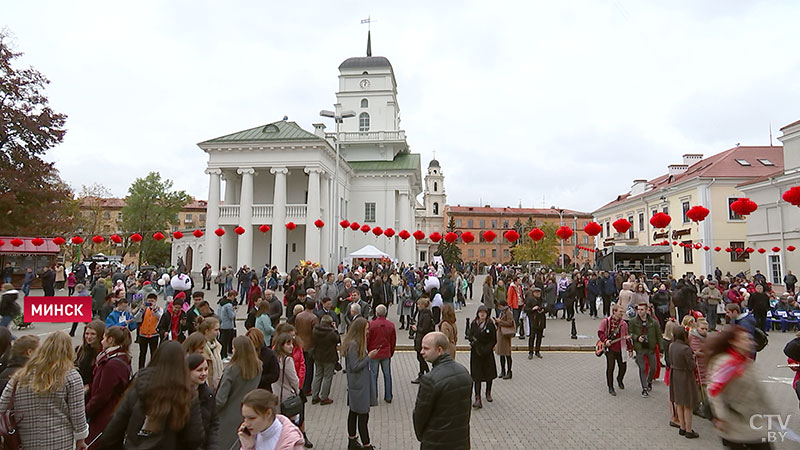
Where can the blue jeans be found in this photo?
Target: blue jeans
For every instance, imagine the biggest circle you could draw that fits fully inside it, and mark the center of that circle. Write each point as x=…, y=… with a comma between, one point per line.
x=5, y=321
x=26, y=289
x=386, y=368
x=6, y=279
x=711, y=315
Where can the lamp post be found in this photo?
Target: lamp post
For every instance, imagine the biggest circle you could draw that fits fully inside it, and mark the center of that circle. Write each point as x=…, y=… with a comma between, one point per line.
x=561, y=216
x=338, y=118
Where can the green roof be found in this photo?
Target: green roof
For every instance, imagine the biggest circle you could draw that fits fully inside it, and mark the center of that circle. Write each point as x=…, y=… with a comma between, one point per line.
x=403, y=161
x=276, y=131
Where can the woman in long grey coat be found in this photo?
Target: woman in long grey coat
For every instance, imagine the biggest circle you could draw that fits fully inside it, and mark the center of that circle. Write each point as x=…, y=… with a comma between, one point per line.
x=359, y=382
x=241, y=376
x=487, y=298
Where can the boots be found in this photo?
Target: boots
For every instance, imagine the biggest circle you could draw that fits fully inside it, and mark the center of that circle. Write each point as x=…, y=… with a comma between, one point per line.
x=502, y=372
x=507, y=375
x=489, y=396
x=477, y=403
x=353, y=444
x=306, y=442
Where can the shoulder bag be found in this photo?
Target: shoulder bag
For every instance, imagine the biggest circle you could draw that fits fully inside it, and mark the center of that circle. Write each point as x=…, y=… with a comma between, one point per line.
x=8, y=425
x=293, y=405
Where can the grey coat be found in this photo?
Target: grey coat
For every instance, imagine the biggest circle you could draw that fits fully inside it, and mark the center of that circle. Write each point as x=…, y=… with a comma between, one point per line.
x=488, y=296
x=231, y=391
x=358, y=380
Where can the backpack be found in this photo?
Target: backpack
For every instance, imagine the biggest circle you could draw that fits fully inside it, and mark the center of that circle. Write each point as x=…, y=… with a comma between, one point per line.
x=272, y=283
x=760, y=339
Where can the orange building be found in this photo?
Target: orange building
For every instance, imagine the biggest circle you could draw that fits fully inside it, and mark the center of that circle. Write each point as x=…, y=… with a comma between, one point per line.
x=478, y=219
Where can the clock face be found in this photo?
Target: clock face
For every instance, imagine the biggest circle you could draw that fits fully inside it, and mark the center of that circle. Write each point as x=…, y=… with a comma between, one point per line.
x=364, y=84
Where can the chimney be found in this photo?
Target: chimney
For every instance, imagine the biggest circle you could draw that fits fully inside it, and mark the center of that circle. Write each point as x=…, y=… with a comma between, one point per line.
x=691, y=158
x=677, y=169
x=319, y=130
x=639, y=187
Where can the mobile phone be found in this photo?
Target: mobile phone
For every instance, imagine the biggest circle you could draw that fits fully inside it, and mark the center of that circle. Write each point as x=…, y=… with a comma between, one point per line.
x=246, y=431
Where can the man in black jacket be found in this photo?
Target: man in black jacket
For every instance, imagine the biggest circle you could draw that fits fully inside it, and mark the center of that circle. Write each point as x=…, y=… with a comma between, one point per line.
x=442, y=409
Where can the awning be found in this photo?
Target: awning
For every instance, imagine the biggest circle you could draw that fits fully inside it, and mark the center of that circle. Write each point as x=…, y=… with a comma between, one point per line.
x=368, y=252
x=640, y=249
x=27, y=246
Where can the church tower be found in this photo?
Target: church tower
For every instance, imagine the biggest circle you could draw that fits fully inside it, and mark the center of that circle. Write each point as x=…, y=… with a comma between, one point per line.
x=434, y=196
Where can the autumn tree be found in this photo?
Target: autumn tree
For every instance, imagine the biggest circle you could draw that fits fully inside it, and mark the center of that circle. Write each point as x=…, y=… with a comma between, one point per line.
x=91, y=220
x=546, y=250
x=151, y=206
x=450, y=253
x=33, y=198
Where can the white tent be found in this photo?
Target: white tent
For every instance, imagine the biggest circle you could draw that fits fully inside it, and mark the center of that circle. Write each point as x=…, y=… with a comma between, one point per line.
x=369, y=252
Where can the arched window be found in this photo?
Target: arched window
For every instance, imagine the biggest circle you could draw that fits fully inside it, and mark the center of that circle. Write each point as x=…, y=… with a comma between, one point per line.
x=436, y=207
x=363, y=122
x=364, y=103
x=435, y=186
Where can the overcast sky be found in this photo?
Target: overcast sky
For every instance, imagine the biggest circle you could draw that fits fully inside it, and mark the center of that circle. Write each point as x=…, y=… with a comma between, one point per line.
x=554, y=103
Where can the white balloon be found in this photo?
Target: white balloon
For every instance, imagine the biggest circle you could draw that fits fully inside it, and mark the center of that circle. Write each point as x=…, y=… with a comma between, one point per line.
x=161, y=282
x=165, y=277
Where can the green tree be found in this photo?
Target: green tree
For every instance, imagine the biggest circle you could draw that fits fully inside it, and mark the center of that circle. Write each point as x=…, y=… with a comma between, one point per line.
x=33, y=198
x=546, y=251
x=450, y=253
x=151, y=206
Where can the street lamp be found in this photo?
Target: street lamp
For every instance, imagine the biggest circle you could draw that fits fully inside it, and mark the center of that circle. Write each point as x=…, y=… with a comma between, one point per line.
x=561, y=216
x=338, y=118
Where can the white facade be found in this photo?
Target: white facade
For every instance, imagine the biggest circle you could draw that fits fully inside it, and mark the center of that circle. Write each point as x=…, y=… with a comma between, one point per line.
x=430, y=215
x=279, y=173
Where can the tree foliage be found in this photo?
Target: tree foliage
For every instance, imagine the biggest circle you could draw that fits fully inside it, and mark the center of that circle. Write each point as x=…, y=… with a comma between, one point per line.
x=151, y=205
x=91, y=221
x=450, y=253
x=33, y=198
x=546, y=251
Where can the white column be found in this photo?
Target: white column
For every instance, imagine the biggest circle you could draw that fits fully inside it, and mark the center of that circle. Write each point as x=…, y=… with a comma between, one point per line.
x=407, y=248
x=245, y=247
x=228, y=241
x=330, y=225
x=212, y=219
x=279, y=218
x=312, y=214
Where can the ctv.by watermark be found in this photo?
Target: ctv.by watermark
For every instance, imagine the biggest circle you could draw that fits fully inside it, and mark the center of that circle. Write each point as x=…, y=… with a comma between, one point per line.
x=776, y=426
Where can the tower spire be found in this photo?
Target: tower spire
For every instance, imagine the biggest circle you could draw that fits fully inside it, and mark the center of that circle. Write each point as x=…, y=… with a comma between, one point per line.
x=369, y=43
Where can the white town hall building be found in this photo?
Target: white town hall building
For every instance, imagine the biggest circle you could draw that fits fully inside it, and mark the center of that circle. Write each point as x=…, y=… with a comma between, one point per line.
x=279, y=173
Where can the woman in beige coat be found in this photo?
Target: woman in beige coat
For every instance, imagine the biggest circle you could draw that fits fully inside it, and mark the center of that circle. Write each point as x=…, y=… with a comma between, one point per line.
x=505, y=319
x=448, y=327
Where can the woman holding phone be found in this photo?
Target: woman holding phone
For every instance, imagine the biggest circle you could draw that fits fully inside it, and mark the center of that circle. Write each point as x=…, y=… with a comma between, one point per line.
x=264, y=428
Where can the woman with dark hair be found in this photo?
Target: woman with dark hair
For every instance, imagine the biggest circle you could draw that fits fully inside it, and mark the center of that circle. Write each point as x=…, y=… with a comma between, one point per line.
x=87, y=352
x=423, y=326
x=483, y=337
x=505, y=319
x=253, y=294
x=356, y=358
x=682, y=384
x=160, y=410
x=240, y=376
x=110, y=379
x=198, y=375
x=264, y=428
x=288, y=384
x=734, y=389
x=269, y=362
x=300, y=369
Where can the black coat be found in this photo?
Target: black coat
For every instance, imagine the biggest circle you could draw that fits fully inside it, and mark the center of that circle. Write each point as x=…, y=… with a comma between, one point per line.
x=758, y=302
x=10, y=368
x=442, y=411
x=481, y=362
x=129, y=418
x=537, y=319
x=325, y=340
x=164, y=326
x=208, y=411
x=270, y=370
x=424, y=326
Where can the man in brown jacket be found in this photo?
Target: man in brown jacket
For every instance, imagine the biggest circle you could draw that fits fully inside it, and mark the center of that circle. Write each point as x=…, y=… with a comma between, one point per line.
x=304, y=324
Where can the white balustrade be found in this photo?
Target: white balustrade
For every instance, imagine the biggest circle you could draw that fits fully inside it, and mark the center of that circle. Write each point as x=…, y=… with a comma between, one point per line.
x=262, y=212
x=296, y=211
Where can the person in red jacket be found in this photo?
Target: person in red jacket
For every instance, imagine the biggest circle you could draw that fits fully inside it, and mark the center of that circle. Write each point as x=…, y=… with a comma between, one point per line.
x=110, y=378
x=381, y=336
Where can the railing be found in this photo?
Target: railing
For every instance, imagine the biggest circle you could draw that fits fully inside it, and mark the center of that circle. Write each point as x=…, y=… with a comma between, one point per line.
x=228, y=211
x=296, y=211
x=262, y=211
x=365, y=136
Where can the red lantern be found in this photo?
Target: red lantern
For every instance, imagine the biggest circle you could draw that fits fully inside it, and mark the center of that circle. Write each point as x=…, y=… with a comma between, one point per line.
x=159, y=236
x=377, y=231
x=435, y=236
x=136, y=237
x=2, y=242
x=792, y=195
x=728, y=249
x=404, y=234
x=239, y=230
x=177, y=235
x=697, y=213
x=536, y=234
x=698, y=246
x=674, y=242
x=37, y=241
x=319, y=223
x=660, y=220
x=344, y=223
x=115, y=238
x=776, y=249
x=263, y=228
x=291, y=226
x=706, y=248
x=739, y=250
x=419, y=235
x=389, y=232
x=467, y=237
x=98, y=239
x=750, y=250
x=682, y=244
x=355, y=226
x=621, y=225
x=450, y=237
x=762, y=250
x=791, y=248
x=490, y=235
x=16, y=242
x=365, y=228
x=564, y=233
x=716, y=249
x=511, y=235
x=744, y=206
x=58, y=240
x=592, y=228
x=199, y=233
x=219, y=232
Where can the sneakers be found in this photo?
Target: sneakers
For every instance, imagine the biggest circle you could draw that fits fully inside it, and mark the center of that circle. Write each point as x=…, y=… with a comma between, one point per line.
x=645, y=394
x=325, y=401
x=650, y=386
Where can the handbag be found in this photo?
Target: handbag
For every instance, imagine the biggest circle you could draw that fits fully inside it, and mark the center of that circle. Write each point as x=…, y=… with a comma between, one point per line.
x=8, y=425
x=720, y=308
x=293, y=405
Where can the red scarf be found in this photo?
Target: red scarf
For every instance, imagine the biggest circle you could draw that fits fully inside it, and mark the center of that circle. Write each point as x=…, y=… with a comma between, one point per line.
x=175, y=325
x=731, y=369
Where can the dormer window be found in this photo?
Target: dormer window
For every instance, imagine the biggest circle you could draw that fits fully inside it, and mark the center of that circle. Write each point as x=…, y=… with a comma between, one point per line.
x=363, y=122
x=364, y=103
x=743, y=162
x=766, y=162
